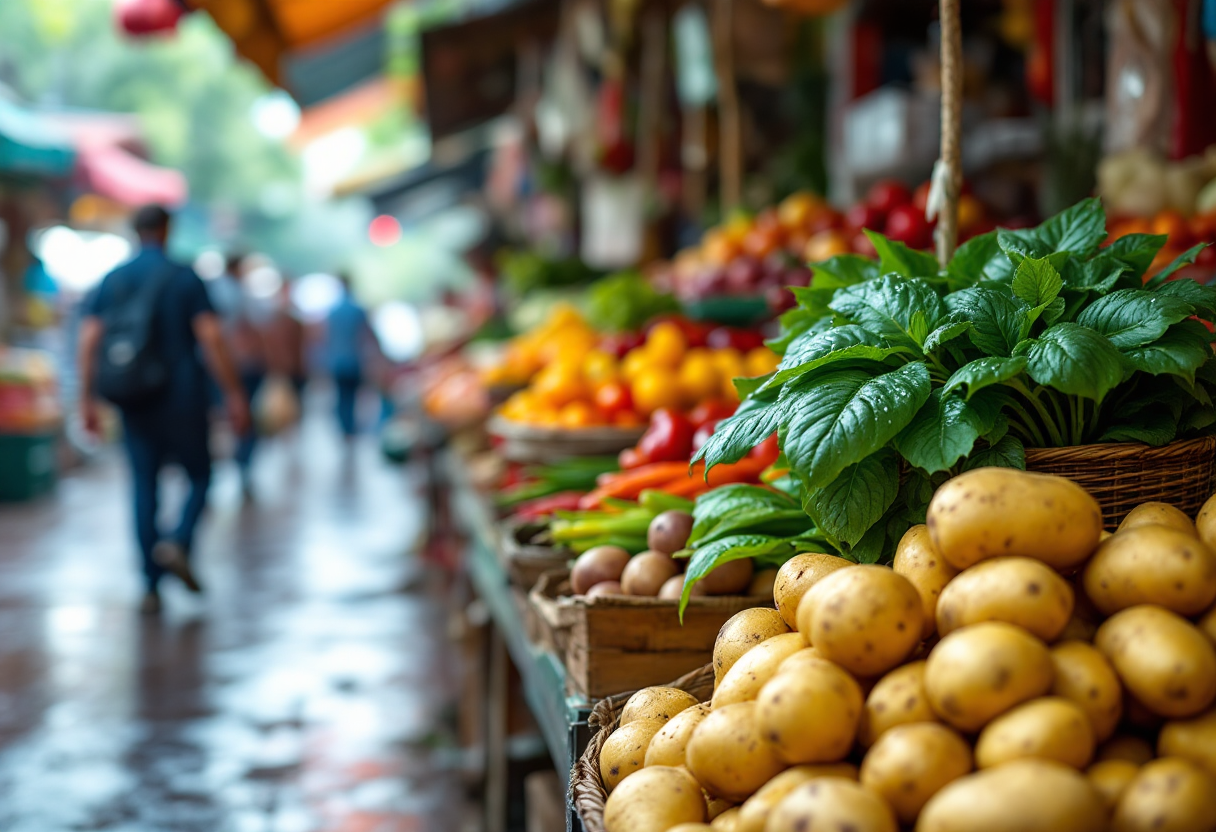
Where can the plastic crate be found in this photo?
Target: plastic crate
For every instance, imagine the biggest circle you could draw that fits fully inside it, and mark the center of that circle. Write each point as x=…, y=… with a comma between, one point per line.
x=27, y=466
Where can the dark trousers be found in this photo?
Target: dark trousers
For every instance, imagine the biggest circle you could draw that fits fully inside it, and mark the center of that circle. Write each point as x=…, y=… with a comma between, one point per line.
x=251, y=380
x=348, y=398
x=151, y=446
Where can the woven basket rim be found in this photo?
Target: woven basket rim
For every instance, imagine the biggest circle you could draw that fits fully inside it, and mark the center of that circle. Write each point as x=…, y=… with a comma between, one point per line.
x=587, y=793
x=1121, y=450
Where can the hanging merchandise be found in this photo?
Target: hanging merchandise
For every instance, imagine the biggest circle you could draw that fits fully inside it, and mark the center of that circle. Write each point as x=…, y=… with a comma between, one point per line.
x=1193, y=126
x=1138, y=75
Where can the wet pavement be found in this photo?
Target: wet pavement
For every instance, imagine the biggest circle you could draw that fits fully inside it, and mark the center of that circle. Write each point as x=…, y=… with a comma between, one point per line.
x=311, y=689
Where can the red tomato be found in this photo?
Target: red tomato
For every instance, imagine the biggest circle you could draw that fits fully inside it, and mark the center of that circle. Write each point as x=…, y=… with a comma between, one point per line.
x=862, y=216
x=727, y=337
x=888, y=194
x=1206, y=258
x=620, y=343
x=824, y=220
x=908, y=225
x=613, y=398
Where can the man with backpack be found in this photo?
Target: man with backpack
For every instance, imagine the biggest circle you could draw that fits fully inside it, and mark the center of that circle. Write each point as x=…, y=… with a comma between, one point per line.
x=139, y=348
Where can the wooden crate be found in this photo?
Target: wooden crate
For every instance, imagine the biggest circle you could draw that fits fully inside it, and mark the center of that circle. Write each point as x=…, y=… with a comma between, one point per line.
x=620, y=643
x=525, y=563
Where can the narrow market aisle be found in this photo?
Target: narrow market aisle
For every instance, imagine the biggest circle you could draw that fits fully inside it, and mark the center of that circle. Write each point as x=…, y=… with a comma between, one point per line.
x=309, y=690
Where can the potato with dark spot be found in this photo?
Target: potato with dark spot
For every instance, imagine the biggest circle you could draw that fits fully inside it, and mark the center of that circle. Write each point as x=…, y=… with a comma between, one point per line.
x=658, y=702
x=1191, y=739
x=1124, y=747
x=1158, y=514
x=597, y=565
x=742, y=682
x=654, y=800
x=898, y=698
x=754, y=812
x=1205, y=522
x=667, y=747
x=977, y=673
x=1168, y=795
x=865, y=618
x=1049, y=728
x=1152, y=565
x=624, y=751
x=993, y=512
x=1021, y=591
x=668, y=532
x=831, y=804
x=1022, y=796
x=646, y=573
x=810, y=713
x=1161, y=658
x=729, y=755
x=741, y=632
x=1084, y=676
x=928, y=571
x=795, y=578
x=1111, y=778
x=911, y=763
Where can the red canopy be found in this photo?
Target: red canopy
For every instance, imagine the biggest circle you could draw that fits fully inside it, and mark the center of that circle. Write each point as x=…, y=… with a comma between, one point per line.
x=113, y=172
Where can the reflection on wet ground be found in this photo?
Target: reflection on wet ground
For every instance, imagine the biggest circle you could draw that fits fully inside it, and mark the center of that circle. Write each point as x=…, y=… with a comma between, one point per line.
x=310, y=689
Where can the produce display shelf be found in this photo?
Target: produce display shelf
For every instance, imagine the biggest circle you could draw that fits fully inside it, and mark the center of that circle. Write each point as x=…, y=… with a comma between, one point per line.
x=562, y=718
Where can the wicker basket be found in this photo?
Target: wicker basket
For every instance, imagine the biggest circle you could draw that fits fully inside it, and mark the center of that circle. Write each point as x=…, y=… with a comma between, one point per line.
x=1122, y=476
x=529, y=443
x=587, y=792
x=526, y=562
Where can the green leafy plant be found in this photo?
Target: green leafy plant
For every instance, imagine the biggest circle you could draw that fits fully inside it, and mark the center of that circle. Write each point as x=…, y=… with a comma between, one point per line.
x=898, y=374
x=625, y=301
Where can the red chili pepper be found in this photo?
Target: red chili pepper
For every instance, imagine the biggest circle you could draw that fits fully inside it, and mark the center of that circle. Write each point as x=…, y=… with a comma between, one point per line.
x=668, y=439
x=711, y=412
x=544, y=506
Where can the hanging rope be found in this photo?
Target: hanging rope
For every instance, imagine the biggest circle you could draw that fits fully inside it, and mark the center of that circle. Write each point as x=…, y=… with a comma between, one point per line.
x=949, y=175
x=730, y=121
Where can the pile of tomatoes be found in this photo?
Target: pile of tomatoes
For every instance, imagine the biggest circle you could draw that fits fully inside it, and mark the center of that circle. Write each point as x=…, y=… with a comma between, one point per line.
x=1183, y=232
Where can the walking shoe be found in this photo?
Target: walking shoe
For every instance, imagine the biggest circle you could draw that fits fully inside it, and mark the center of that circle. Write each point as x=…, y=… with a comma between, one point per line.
x=170, y=555
x=151, y=604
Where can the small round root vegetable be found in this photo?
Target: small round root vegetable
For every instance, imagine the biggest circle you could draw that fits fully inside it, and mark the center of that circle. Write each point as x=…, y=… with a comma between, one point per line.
x=911, y=763
x=594, y=566
x=658, y=702
x=1048, y=728
x=728, y=755
x=604, y=588
x=1167, y=794
x=829, y=804
x=796, y=577
x=624, y=752
x=1021, y=591
x=669, y=531
x=1158, y=514
x=654, y=799
x=741, y=632
x=646, y=573
x=1015, y=797
x=731, y=578
x=929, y=572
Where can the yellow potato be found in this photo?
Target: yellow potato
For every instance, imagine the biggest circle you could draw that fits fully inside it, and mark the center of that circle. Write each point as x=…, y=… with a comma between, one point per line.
x=727, y=821
x=1085, y=676
x=1161, y=658
x=754, y=812
x=716, y=806
x=654, y=800
x=741, y=632
x=810, y=713
x=1111, y=779
x=666, y=747
x=1152, y=565
x=979, y=672
x=898, y=698
x=1020, y=591
x=1207, y=623
x=728, y=754
x=659, y=703
x=867, y=619
x=624, y=752
x=919, y=562
x=1205, y=522
x=1132, y=749
x=1049, y=728
x=1191, y=739
x=755, y=667
x=831, y=804
x=1085, y=620
x=691, y=827
x=1158, y=514
x=911, y=763
x=796, y=576
x=1022, y=796
x=803, y=657
x=1168, y=795
x=989, y=512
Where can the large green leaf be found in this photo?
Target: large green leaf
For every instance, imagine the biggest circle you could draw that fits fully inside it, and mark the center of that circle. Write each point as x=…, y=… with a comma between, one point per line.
x=796, y=322
x=1137, y=250
x=848, y=506
x=888, y=305
x=947, y=331
x=1202, y=298
x=1079, y=229
x=996, y=318
x=815, y=349
x=1075, y=360
x=1185, y=259
x=1181, y=351
x=1036, y=282
x=1006, y=453
x=896, y=258
x=984, y=372
x=942, y=432
x=753, y=422
x=1134, y=317
x=1100, y=273
x=713, y=507
x=843, y=270
x=980, y=258
x=844, y=416
x=724, y=550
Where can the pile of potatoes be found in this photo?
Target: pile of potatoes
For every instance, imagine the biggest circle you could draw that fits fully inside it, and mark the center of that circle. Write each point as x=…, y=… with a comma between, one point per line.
x=1017, y=669
x=654, y=573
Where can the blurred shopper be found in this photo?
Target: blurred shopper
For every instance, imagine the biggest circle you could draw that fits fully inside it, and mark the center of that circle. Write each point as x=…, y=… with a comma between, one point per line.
x=285, y=343
x=244, y=336
x=139, y=347
x=349, y=340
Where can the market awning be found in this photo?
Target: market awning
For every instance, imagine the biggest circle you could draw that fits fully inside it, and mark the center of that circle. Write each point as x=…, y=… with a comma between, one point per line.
x=31, y=145
x=312, y=48
x=113, y=172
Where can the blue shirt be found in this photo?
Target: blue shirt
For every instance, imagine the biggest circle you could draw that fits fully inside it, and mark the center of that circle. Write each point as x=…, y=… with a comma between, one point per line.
x=183, y=299
x=346, y=331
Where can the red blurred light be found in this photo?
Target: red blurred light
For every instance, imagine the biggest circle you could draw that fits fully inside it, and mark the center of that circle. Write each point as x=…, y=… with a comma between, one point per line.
x=384, y=231
x=147, y=17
